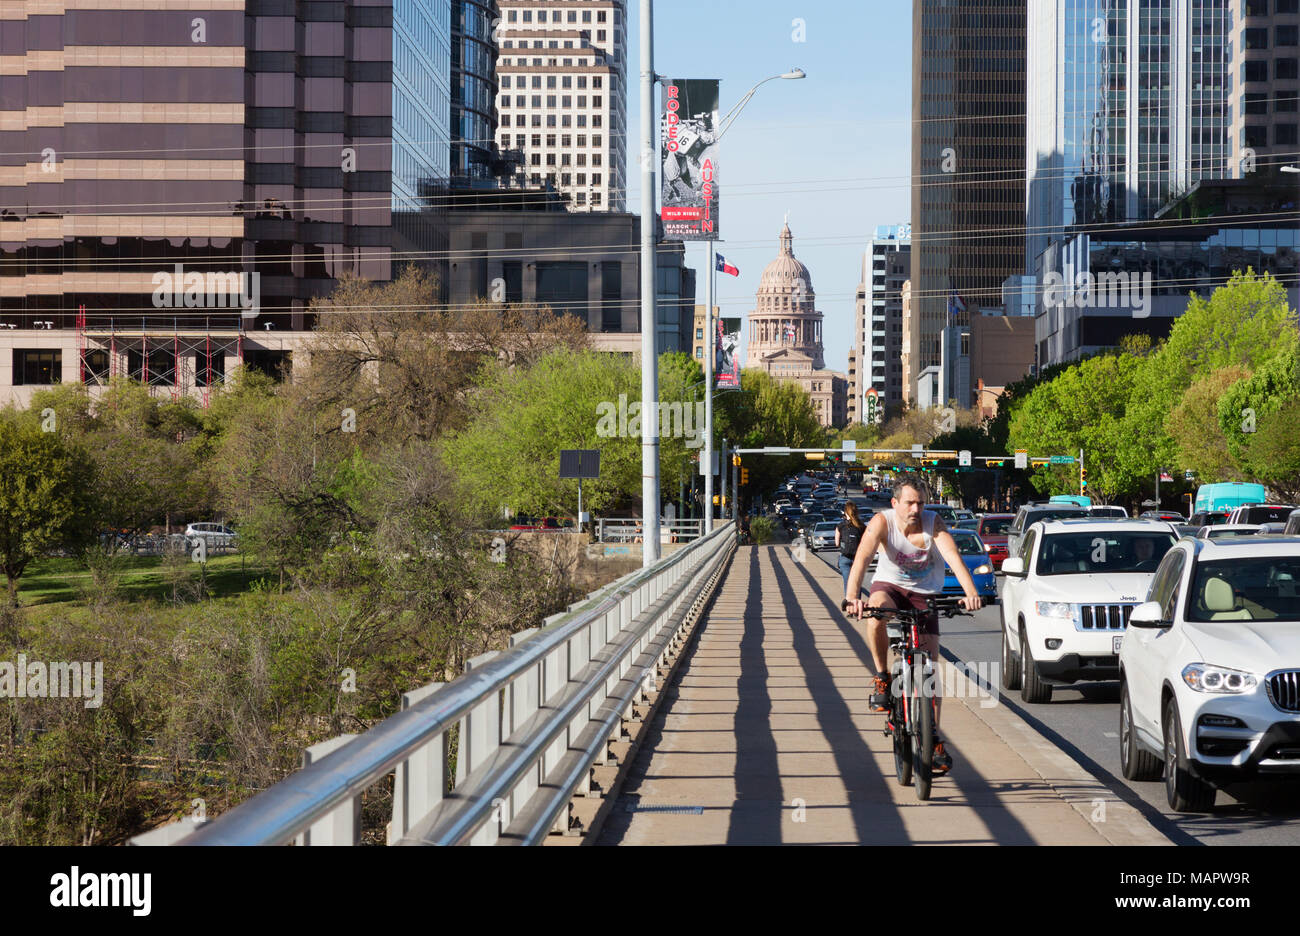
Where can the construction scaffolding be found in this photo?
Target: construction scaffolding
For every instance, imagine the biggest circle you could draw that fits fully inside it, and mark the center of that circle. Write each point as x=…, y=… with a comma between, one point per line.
x=154, y=352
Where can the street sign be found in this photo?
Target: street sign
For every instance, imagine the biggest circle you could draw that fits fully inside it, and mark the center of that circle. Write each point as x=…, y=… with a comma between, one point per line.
x=1150, y=503
x=918, y=451
x=775, y=450
x=850, y=450
x=712, y=464
x=1061, y=460
x=1022, y=458
x=963, y=457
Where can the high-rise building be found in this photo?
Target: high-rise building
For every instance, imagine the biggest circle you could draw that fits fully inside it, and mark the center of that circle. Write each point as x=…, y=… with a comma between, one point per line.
x=562, y=67
x=473, y=88
x=266, y=147
x=878, y=321
x=1264, y=85
x=968, y=173
x=1125, y=109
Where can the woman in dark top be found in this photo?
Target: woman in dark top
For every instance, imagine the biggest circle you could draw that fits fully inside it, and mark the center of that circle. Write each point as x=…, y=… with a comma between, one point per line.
x=847, y=537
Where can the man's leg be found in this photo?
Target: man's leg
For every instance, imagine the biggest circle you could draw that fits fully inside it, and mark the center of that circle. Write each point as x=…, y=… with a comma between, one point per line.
x=877, y=639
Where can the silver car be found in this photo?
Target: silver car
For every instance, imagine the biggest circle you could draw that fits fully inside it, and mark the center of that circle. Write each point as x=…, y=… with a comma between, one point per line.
x=823, y=535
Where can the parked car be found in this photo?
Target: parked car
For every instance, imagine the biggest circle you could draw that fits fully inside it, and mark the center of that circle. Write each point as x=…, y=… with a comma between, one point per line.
x=214, y=534
x=1210, y=670
x=949, y=514
x=1208, y=518
x=964, y=514
x=976, y=556
x=1067, y=598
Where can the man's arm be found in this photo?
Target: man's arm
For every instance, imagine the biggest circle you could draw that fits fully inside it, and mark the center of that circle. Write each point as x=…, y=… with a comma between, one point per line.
x=875, y=533
x=952, y=555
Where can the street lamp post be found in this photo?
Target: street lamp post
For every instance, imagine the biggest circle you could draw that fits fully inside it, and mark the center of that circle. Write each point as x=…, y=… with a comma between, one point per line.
x=649, y=320
x=710, y=344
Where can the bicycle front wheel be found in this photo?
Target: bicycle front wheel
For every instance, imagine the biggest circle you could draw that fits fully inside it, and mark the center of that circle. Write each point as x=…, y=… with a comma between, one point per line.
x=902, y=740
x=922, y=706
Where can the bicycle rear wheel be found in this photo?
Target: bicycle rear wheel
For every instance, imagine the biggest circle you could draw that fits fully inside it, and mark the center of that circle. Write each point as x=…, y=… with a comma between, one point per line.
x=922, y=706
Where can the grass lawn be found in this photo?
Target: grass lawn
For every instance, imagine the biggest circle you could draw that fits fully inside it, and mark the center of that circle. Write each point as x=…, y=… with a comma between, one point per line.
x=55, y=580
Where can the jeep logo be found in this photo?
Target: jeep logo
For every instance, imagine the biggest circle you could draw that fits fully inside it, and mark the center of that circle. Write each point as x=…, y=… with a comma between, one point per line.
x=1128, y=597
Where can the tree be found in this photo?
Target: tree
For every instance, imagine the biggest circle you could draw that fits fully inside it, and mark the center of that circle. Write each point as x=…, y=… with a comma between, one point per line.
x=1199, y=441
x=44, y=495
x=404, y=365
x=509, y=453
x=1246, y=323
x=769, y=412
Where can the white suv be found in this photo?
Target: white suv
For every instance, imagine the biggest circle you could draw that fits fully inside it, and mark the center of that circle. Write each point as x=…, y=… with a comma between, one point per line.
x=1210, y=669
x=214, y=534
x=1067, y=597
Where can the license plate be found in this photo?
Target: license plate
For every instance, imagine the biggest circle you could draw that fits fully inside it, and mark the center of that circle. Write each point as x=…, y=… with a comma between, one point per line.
x=1117, y=641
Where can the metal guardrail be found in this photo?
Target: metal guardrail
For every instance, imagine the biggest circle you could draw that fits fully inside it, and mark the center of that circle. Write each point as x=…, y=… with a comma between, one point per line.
x=629, y=530
x=533, y=721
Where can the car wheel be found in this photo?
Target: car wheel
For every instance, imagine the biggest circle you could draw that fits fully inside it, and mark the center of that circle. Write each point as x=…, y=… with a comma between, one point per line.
x=1032, y=689
x=1010, y=663
x=1185, y=792
x=1135, y=762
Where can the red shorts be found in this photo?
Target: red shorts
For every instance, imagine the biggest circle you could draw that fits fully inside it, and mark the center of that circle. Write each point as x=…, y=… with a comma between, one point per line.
x=903, y=598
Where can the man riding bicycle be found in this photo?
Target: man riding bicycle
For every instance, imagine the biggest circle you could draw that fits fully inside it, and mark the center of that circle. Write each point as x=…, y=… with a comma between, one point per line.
x=913, y=544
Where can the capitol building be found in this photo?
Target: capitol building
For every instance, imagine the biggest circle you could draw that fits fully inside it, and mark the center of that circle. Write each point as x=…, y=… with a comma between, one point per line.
x=785, y=335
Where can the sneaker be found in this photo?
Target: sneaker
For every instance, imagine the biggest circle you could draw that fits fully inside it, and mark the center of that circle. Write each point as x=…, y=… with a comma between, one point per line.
x=880, y=695
x=942, y=759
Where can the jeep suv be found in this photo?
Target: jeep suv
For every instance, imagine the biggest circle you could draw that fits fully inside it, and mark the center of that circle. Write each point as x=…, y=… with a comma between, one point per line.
x=1067, y=599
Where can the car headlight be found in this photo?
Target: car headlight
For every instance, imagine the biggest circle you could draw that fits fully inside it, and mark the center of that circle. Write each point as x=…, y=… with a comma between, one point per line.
x=1055, y=609
x=984, y=569
x=1205, y=677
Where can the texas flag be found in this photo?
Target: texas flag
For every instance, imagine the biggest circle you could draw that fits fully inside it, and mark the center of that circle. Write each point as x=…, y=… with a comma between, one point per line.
x=725, y=267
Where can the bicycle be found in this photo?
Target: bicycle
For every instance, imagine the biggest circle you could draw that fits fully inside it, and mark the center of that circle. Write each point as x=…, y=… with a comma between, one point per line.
x=913, y=701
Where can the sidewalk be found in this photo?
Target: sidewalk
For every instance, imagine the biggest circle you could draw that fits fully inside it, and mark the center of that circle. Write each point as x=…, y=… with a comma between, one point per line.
x=768, y=741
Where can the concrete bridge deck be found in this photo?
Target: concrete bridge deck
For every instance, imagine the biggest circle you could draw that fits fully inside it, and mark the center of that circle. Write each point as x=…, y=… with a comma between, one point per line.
x=765, y=738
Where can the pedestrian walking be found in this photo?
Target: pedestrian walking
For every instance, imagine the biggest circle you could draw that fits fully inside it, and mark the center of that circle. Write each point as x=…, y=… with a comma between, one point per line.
x=847, y=537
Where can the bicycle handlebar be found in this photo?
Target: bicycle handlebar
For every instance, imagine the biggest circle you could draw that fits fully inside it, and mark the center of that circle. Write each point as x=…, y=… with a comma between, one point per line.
x=947, y=610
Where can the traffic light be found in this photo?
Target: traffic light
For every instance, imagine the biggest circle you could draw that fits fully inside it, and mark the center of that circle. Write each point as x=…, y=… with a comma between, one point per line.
x=744, y=475
x=735, y=460
x=1083, y=481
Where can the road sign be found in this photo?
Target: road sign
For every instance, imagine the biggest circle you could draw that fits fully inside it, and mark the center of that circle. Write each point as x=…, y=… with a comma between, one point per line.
x=1150, y=503
x=1022, y=458
x=850, y=450
x=963, y=457
x=918, y=451
x=1061, y=460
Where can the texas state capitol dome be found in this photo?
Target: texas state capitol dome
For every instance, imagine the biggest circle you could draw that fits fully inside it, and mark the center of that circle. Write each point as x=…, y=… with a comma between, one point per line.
x=785, y=334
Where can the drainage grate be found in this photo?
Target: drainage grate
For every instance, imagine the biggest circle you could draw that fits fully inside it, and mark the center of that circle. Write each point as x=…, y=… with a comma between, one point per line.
x=673, y=810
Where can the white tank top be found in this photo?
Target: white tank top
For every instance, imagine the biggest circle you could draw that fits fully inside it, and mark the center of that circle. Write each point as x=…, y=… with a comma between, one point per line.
x=901, y=563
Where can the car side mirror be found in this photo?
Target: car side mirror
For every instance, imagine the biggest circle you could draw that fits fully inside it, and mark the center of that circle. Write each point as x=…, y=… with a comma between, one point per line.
x=1148, y=614
x=1014, y=566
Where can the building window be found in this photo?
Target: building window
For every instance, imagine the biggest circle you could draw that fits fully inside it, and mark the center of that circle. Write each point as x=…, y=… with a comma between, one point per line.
x=550, y=100
x=39, y=366
x=1255, y=71
x=1285, y=68
x=1285, y=134
x=550, y=139
x=550, y=159
x=1287, y=35
x=699, y=334
x=582, y=178
x=1257, y=38
x=505, y=81
x=597, y=81
x=520, y=140
x=596, y=120
x=582, y=198
x=582, y=82
x=597, y=101
x=550, y=82
x=566, y=82
x=582, y=159
x=537, y=139
x=1256, y=103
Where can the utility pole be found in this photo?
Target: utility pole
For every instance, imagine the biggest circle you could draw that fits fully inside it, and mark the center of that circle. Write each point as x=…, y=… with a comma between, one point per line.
x=649, y=320
x=709, y=349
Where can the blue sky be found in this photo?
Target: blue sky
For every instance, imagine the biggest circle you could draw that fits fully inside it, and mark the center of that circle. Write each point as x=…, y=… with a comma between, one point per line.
x=833, y=149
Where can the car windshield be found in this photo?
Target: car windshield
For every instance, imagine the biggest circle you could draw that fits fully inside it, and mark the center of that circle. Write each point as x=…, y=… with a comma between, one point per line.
x=1083, y=553
x=826, y=527
x=967, y=543
x=1248, y=588
x=1062, y=514
x=997, y=527
x=1108, y=512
